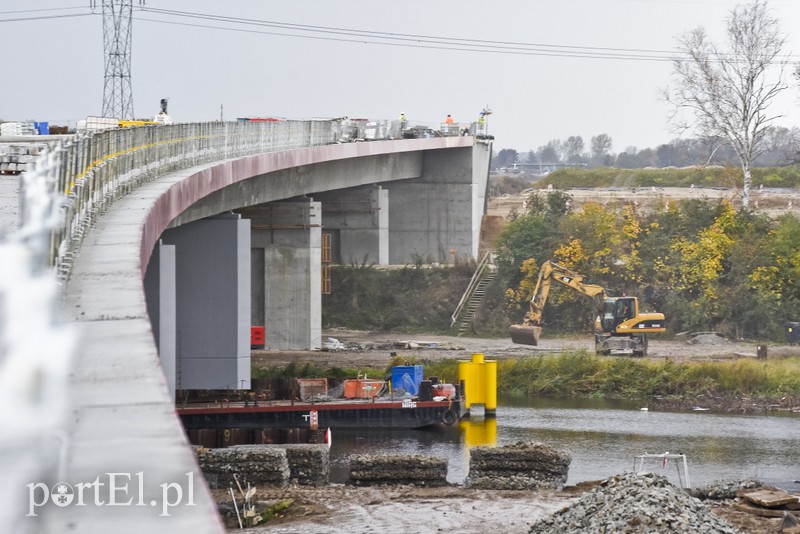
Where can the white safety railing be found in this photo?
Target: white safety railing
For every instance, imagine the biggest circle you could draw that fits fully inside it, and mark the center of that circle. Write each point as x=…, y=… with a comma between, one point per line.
x=72, y=182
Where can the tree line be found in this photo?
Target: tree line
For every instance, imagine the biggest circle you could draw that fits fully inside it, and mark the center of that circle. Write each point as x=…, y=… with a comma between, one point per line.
x=781, y=147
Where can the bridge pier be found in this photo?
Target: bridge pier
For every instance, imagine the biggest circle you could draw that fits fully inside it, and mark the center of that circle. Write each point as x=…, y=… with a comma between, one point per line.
x=437, y=217
x=212, y=286
x=287, y=277
x=357, y=219
x=159, y=290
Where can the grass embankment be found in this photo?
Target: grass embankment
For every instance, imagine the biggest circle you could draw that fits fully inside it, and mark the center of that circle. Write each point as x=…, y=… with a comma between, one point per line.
x=582, y=374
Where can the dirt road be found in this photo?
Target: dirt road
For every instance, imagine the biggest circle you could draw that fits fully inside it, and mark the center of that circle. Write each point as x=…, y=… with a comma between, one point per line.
x=376, y=349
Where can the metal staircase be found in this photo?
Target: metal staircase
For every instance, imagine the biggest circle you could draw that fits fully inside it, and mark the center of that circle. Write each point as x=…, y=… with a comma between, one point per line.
x=473, y=296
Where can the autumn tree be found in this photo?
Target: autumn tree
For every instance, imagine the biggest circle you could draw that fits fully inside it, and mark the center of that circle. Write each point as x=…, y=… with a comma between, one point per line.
x=728, y=90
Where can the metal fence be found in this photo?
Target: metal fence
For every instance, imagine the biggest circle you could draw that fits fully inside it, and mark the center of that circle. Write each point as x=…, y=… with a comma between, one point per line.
x=70, y=184
x=94, y=171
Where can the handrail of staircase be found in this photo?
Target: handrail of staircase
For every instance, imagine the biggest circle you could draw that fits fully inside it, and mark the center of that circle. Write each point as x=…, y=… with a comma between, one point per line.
x=473, y=283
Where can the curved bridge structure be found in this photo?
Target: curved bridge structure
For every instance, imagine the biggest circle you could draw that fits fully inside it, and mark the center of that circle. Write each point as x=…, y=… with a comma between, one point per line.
x=172, y=243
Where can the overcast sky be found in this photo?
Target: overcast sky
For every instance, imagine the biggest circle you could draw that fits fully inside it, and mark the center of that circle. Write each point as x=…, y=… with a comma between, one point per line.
x=53, y=68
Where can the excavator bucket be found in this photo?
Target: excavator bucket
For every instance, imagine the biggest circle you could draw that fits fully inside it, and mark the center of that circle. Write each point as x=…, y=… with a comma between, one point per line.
x=525, y=335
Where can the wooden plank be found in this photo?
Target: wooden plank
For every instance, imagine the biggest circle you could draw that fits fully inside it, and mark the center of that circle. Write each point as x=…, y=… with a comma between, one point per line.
x=761, y=512
x=770, y=497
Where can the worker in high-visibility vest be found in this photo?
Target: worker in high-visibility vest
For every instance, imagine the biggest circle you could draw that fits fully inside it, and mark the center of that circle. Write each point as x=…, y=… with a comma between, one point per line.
x=448, y=120
x=481, y=122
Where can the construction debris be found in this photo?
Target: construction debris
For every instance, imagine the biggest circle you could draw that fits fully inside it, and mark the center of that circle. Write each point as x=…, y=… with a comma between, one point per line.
x=17, y=158
x=723, y=489
x=635, y=503
x=769, y=502
x=771, y=498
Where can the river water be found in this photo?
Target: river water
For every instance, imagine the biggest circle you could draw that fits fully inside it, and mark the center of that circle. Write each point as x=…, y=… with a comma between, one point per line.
x=603, y=438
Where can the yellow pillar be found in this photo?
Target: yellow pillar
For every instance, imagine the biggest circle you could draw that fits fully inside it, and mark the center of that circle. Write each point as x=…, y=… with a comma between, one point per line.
x=490, y=385
x=480, y=381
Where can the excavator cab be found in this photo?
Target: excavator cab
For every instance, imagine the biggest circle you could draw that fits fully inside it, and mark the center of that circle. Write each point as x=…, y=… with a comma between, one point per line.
x=616, y=311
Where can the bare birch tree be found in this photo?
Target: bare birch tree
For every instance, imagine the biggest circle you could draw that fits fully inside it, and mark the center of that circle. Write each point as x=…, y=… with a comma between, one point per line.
x=728, y=90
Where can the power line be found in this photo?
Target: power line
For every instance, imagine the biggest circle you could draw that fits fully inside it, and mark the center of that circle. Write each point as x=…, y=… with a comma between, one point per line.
x=393, y=36
x=370, y=37
x=64, y=16
x=530, y=52
x=41, y=9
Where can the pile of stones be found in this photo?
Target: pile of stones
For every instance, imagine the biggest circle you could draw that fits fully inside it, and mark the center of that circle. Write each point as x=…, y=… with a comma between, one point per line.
x=257, y=464
x=723, y=489
x=306, y=464
x=309, y=463
x=412, y=469
x=520, y=466
x=635, y=503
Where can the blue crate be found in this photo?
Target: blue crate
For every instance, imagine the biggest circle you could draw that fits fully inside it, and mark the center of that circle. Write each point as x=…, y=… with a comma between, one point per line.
x=408, y=377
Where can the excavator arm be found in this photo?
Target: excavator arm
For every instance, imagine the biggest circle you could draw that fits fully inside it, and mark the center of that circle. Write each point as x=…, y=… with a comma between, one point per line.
x=529, y=331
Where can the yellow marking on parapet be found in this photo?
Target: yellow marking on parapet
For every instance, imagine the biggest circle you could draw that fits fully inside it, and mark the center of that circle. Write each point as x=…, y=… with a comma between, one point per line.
x=107, y=157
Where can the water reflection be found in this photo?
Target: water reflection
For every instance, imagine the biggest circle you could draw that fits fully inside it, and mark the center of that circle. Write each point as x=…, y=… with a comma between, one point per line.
x=602, y=438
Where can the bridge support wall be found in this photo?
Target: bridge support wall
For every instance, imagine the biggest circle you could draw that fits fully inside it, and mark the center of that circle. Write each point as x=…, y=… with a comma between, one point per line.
x=212, y=270
x=286, y=238
x=358, y=221
x=432, y=217
x=159, y=288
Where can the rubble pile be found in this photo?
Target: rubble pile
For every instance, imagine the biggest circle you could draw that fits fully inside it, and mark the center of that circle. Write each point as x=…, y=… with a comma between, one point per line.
x=257, y=464
x=723, y=489
x=413, y=469
x=523, y=465
x=635, y=503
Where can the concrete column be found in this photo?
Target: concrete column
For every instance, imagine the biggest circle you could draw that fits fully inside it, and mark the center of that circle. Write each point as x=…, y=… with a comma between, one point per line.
x=435, y=218
x=289, y=234
x=213, y=302
x=358, y=220
x=159, y=289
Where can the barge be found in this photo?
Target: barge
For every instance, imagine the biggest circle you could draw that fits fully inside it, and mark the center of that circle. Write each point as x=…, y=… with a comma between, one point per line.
x=378, y=413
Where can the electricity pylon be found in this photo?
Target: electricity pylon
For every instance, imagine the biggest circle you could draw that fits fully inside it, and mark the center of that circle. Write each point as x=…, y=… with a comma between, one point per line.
x=117, y=93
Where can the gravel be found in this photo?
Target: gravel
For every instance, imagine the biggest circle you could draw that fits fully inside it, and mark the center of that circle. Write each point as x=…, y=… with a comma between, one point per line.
x=635, y=503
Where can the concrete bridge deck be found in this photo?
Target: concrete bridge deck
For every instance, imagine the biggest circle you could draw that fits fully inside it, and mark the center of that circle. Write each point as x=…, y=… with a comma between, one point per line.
x=123, y=413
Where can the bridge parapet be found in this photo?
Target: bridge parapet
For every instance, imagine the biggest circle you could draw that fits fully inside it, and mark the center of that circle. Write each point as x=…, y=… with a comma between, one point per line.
x=61, y=198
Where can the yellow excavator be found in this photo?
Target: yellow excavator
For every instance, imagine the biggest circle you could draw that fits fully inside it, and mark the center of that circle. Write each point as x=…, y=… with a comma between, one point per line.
x=619, y=324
